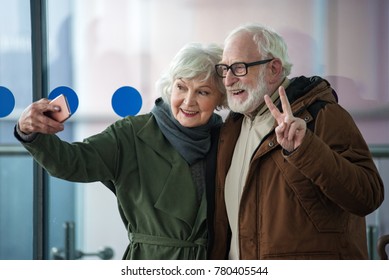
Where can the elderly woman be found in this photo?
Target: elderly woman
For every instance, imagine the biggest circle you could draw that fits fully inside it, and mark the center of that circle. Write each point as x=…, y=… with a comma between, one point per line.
x=160, y=165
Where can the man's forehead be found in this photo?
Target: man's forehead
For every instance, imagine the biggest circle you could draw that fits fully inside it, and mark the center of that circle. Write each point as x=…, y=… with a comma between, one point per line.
x=240, y=48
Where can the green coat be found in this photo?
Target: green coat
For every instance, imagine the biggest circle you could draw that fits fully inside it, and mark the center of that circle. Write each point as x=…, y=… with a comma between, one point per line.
x=156, y=195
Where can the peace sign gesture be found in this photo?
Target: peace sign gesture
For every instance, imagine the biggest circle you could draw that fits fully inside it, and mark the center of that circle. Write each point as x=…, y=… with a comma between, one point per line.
x=290, y=130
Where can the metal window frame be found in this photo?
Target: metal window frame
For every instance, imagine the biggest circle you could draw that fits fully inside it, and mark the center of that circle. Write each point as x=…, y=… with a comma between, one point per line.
x=40, y=90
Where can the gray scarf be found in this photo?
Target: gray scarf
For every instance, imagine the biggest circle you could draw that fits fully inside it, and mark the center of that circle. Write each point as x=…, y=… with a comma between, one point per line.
x=192, y=143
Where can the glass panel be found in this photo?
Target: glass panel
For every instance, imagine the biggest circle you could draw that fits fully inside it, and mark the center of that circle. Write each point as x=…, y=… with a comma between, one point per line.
x=377, y=223
x=62, y=194
x=15, y=60
x=16, y=168
x=16, y=213
x=76, y=202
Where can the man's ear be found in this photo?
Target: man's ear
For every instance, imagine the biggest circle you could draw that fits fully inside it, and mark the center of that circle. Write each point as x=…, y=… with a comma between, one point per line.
x=275, y=70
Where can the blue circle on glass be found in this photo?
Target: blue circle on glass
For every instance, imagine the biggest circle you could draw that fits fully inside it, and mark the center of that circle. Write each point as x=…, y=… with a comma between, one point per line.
x=7, y=102
x=70, y=95
x=126, y=101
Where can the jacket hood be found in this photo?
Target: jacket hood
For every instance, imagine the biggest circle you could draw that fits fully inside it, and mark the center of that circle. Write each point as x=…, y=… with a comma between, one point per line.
x=312, y=89
x=302, y=85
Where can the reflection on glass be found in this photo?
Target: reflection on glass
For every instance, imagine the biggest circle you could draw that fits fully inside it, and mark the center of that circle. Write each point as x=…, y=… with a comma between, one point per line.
x=16, y=168
x=16, y=203
x=15, y=59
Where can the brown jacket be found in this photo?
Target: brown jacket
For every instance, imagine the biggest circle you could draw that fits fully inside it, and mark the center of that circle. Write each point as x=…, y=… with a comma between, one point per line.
x=310, y=204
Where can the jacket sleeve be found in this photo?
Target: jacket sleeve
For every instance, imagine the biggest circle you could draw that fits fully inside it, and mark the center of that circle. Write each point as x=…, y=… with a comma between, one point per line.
x=94, y=159
x=337, y=160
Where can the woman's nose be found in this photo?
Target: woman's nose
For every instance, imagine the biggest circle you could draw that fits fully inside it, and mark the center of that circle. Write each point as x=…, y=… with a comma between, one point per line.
x=189, y=98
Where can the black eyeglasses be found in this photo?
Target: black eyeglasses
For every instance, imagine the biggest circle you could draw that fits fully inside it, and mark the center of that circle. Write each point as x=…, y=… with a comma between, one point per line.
x=239, y=69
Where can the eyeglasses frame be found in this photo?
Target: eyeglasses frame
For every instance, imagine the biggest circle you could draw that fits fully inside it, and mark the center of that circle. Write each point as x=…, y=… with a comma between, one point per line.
x=247, y=65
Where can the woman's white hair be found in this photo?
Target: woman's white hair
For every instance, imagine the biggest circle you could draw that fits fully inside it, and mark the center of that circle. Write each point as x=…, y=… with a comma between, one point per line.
x=194, y=60
x=270, y=43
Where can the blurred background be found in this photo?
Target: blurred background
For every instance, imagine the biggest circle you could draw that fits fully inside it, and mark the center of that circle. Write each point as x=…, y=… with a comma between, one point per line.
x=98, y=46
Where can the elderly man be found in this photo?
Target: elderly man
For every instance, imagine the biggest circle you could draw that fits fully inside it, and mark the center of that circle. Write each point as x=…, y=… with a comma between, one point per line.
x=295, y=178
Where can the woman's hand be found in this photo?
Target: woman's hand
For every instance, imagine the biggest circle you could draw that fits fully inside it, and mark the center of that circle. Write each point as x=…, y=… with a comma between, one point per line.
x=33, y=118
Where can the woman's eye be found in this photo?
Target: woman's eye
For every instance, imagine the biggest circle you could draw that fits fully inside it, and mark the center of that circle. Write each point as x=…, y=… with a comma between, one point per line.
x=202, y=92
x=180, y=87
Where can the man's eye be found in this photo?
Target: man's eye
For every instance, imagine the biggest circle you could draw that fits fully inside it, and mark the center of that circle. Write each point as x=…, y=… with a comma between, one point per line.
x=239, y=67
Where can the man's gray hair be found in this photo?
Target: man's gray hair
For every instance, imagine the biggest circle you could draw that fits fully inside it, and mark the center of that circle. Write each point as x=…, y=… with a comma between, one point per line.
x=270, y=43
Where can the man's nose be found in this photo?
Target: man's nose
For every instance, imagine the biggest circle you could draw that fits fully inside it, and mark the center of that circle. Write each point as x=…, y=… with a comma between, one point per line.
x=230, y=78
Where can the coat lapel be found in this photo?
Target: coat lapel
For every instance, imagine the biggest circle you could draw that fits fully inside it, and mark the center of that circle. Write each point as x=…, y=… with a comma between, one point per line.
x=178, y=197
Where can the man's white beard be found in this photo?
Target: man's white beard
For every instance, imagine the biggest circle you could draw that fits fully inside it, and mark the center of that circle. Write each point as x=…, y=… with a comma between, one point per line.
x=255, y=96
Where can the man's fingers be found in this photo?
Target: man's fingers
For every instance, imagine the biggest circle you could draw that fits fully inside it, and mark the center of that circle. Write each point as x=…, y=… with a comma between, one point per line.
x=285, y=102
x=293, y=131
x=272, y=108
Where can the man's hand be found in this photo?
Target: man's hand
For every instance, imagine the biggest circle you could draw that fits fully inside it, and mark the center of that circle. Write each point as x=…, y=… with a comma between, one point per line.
x=290, y=130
